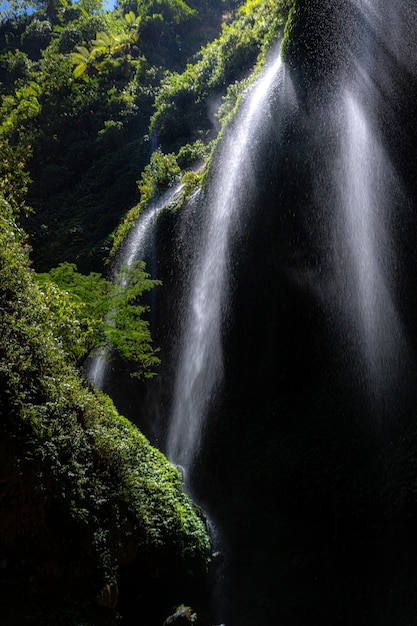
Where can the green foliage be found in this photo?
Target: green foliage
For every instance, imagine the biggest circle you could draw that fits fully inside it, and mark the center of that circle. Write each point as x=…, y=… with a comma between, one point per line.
x=91, y=312
x=23, y=105
x=77, y=331
x=79, y=32
x=96, y=492
x=90, y=6
x=160, y=174
x=36, y=38
x=69, y=66
x=162, y=171
x=191, y=154
x=119, y=48
x=72, y=66
x=14, y=66
x=191, y=181
x=13, y=9
x=232, y=98
x=14, y=179
x=184, y=99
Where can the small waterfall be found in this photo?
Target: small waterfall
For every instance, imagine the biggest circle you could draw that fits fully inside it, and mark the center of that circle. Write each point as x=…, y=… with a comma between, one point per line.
x=96, y=369
x=137, y=246
x=201, y=360
x=139, y=242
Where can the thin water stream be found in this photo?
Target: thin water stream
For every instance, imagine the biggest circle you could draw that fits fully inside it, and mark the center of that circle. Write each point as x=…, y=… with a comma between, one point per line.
x=137, y=246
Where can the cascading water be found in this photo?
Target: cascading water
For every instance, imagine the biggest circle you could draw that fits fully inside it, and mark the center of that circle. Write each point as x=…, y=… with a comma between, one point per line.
x=136, y=247
x=367, y=183
x=302, y=253
x=369, y=193
x=96, y=369
x=201, y=361
x=300, y=489
x=139, y=242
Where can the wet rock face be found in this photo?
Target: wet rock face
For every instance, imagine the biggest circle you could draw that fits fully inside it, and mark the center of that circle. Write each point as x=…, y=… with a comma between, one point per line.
x=319, y=39
x=301, y=466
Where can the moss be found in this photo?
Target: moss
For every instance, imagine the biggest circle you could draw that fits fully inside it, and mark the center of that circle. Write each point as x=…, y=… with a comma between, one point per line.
x=162, y=173
x=289, y=25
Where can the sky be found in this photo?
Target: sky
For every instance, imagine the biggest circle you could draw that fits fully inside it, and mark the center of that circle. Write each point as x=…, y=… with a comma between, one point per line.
x=108, y=4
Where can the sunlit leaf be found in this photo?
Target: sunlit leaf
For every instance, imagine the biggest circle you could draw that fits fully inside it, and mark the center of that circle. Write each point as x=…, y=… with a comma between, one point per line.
x=79, y=69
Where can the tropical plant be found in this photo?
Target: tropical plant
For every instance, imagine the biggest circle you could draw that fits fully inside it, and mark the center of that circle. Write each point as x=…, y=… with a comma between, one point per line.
x=108, y=46
x=92, y=312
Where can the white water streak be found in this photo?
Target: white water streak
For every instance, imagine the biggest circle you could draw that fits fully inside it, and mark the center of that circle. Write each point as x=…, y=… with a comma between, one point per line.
x=201, y=360
x=365, y=191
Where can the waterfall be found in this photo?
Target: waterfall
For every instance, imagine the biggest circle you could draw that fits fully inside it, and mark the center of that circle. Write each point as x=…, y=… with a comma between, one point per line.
x=96, y=369
x=200, y=365
x=369, y=192
x=298, y=257
x=137, y=246
x=295, y=481
x=304, y=470
x=367, y=184
x=139, y=241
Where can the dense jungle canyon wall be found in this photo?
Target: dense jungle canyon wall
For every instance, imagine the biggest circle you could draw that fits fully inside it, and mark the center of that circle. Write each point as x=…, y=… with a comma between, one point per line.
x=91, y=515
x=89, y=135
x=94, y=522
x=307, y=465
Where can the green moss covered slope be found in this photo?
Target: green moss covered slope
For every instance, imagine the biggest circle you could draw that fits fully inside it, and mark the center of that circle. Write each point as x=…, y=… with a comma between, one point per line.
x=82, y=493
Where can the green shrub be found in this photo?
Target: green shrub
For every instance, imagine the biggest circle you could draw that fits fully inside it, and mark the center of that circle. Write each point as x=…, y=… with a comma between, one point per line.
x=98, y=493
x=182, y=103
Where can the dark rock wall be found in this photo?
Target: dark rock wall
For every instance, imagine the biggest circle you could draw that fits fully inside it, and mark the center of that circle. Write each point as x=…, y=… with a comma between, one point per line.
x=303, y=468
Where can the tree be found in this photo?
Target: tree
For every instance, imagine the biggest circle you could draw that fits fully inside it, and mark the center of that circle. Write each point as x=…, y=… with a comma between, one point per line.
x=12, y=9
x=92, y=313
